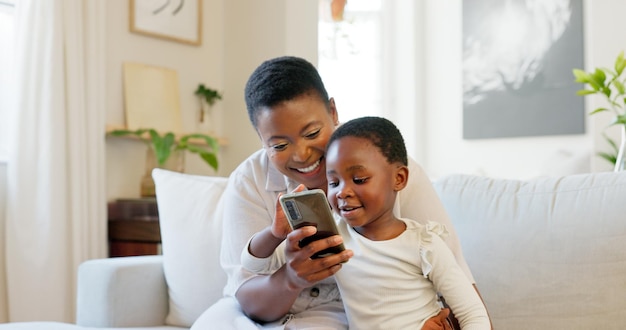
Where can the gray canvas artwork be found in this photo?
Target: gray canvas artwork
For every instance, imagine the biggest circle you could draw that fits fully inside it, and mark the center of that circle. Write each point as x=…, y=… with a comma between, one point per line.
x=518, y=57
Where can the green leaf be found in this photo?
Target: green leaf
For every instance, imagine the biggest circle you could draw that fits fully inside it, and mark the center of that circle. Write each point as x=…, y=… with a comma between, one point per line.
x=598, y=110
x=609, y=72
x=209, y=95
x=611, y=142
x=200, y=89
x=607, y=92
x=619, y=86
x=597, y=79
x=210, y=158
x=166, y=148
x=584, y=92
x=608, y=157
x=581, y=76
x=162, y=145
x=620, y=119
x=620, y=63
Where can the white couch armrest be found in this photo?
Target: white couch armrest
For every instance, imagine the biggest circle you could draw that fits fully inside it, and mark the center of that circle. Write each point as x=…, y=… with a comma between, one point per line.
x=122, y=292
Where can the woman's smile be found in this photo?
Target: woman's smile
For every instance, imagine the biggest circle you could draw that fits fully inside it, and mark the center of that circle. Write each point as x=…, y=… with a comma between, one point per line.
x=309, y=169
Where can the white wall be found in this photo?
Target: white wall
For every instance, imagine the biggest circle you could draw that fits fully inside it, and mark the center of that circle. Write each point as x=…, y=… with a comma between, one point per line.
x=447, y=152
x=237, y=36
x=256, y=31
x=194, y=65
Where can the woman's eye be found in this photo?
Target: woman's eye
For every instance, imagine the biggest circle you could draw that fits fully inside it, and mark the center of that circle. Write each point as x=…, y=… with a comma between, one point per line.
x=279, y=147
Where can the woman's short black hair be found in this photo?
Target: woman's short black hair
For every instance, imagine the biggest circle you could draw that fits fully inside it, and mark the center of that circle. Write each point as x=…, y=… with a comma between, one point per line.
x=380, y=131
x=282, y=79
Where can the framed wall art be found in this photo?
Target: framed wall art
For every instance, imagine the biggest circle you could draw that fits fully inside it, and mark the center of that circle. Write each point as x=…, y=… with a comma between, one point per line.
x=174, y=20
x=518, y=58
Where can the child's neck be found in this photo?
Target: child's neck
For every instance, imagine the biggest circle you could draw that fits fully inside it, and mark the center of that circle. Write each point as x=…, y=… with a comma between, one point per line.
x=382, y=230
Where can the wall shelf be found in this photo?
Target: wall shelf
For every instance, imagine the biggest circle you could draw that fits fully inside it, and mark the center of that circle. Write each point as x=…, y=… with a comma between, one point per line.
x=221, y=141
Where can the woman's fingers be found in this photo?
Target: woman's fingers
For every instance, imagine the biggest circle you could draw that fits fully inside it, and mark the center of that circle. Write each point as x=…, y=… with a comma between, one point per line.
x=307, y=270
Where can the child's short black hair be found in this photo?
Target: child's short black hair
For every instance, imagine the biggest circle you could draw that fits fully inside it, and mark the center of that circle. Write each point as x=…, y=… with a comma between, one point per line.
x=282, y=79
x=380, y=131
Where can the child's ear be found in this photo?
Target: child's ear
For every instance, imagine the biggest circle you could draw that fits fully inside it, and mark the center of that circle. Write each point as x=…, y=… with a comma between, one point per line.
x=401, y=177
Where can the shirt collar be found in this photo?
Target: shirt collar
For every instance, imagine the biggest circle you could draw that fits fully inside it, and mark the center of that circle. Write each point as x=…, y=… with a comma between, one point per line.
x=276, y=181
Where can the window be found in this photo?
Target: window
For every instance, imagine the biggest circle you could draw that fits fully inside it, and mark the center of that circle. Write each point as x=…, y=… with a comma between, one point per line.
x=7, y=22
x=372, y=62
x=349, y=57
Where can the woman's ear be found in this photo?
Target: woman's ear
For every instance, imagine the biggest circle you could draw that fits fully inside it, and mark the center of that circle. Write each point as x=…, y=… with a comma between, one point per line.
x=401, y=177
x=333, y=111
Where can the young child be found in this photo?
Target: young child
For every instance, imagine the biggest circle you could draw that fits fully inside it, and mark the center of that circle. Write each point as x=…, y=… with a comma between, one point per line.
x=399, y=265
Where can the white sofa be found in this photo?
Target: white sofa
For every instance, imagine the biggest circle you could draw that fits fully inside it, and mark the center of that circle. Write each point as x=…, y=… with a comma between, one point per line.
x=547, y=253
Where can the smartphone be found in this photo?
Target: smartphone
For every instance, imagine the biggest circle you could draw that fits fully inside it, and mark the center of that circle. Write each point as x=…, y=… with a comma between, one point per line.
x=311, y=208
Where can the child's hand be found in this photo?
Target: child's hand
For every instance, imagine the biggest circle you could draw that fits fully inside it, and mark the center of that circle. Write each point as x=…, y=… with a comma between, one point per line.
x=280, y=225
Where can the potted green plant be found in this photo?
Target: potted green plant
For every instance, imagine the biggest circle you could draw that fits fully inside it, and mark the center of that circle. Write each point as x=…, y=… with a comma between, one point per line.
x=609, y=84
x=210, y=96
x=164, y=145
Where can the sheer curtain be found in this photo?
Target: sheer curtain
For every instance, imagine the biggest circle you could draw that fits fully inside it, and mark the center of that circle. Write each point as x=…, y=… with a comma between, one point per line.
x=56, y=216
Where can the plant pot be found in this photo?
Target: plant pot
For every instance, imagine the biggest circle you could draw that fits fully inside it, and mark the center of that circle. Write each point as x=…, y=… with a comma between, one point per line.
x=176, y=162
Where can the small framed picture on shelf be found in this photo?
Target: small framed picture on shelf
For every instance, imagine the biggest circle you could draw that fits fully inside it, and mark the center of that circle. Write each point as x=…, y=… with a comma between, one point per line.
x=174, y=20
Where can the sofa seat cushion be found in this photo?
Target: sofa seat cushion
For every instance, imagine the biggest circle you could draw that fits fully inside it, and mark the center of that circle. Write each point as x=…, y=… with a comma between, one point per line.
x=547, y=253
x=190, y=236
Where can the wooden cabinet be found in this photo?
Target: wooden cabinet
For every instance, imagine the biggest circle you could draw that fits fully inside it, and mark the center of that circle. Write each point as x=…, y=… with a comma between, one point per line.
x=133, y=226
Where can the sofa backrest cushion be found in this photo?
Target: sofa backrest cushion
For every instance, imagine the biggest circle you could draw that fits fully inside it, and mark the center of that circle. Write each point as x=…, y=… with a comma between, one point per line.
x=546, y=253
x=190, y=236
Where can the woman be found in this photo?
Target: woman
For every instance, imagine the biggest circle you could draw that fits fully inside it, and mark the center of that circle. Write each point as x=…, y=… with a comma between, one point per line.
x=290, y=109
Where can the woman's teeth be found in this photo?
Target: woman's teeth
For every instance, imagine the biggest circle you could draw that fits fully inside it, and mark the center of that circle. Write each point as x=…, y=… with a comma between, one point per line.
x=310, y=168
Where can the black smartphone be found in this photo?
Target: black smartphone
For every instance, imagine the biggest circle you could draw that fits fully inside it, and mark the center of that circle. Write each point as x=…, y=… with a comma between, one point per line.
x=311, y=208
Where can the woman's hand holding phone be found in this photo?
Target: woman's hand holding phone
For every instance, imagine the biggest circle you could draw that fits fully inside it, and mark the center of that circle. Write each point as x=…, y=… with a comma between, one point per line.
x=280, y=226
x=311, y=256
x=302, y=270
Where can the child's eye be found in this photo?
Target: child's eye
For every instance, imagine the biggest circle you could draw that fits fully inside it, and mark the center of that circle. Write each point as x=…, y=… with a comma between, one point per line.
x=313, y=134
x=359, y=180
x=332, y=184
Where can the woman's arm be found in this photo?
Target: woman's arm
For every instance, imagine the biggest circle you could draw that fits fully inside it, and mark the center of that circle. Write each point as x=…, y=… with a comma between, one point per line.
x=460, y=294
x=263, y=244
x=248, y=209
x=266, y=298
x=419, y=201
